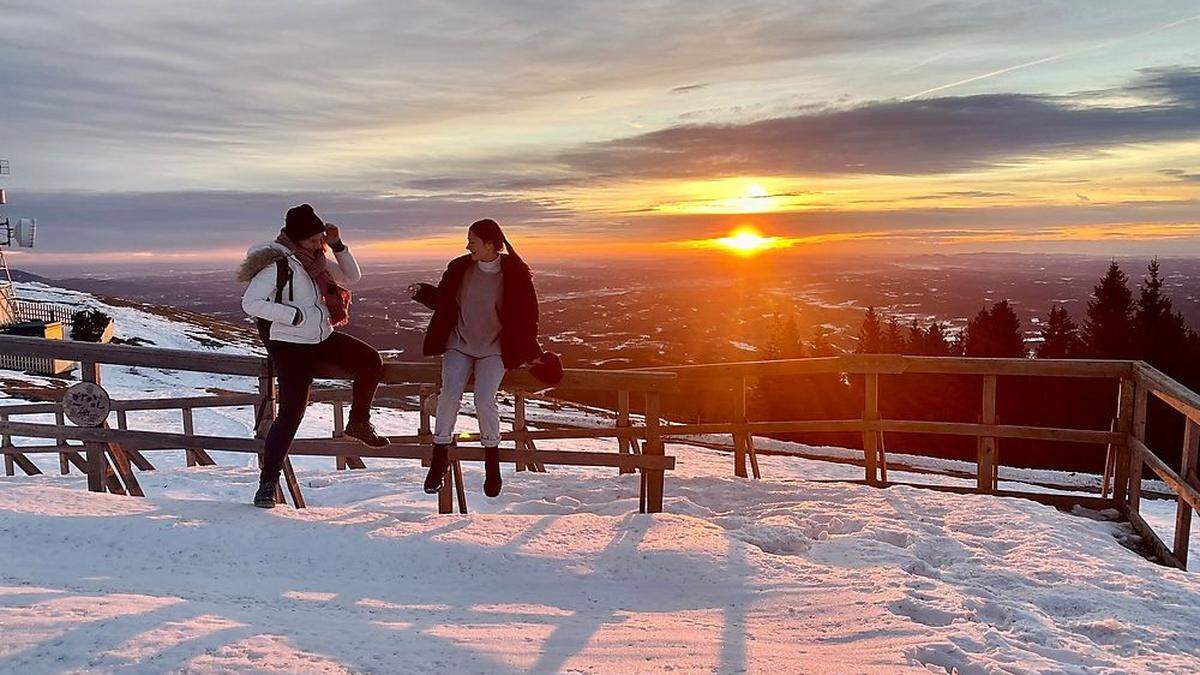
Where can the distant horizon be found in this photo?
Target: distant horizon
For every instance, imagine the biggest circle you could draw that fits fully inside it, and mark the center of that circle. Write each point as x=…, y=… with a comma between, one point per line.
x=595, y=130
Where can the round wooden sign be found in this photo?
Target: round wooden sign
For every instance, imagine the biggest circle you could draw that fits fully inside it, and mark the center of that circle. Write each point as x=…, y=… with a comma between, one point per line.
x=86, y=404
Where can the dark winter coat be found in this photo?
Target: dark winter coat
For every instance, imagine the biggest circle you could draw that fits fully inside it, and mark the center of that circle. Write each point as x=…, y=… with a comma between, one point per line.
x=518, y=310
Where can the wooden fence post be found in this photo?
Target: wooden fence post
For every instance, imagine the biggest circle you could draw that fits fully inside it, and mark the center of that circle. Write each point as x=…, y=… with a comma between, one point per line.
x=1137, y=462
x=653, y=478
x=1187, y=471
x=424, y=429
x=870, y=436
x=986, y=470
x=60, y=420
x=623, y=442
x=339, y=428
x=1122, y=452
x=89, y=371
x=739, y=437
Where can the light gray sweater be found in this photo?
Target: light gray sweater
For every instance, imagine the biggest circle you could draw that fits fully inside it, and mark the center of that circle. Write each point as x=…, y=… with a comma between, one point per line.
x=478, y=332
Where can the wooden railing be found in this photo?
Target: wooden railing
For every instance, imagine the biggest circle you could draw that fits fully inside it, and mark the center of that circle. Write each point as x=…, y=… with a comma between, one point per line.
x=113, y=454
x=641, y=448
x=1125, y=439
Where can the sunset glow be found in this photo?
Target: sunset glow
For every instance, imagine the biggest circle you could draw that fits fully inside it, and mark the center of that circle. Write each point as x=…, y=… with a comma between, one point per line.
x=747, y=241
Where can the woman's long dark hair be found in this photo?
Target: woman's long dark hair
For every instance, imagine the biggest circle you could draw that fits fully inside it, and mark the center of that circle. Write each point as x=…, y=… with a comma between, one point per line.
x=489, y=231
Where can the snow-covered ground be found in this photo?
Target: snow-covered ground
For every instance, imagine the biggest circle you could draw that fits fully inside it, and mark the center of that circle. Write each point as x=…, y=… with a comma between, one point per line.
x=560, y=573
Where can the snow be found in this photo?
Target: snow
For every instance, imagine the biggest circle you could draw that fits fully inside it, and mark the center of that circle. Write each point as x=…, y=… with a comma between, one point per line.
x=560, y=573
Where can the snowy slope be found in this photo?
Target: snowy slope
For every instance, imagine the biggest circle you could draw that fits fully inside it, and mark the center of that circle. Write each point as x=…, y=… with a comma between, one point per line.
x=560, y=573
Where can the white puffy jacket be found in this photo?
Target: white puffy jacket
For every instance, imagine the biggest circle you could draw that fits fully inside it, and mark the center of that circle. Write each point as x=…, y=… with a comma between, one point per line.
x=301, y=294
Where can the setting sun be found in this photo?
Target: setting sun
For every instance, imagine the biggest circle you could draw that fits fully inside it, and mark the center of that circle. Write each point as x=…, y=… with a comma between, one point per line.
x=748, y=241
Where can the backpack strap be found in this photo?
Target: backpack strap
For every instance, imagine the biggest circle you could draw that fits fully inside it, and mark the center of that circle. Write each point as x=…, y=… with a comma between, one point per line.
x=283, y=277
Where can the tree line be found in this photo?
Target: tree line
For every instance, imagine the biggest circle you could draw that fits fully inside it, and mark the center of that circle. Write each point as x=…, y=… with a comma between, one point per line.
x=1119, y=323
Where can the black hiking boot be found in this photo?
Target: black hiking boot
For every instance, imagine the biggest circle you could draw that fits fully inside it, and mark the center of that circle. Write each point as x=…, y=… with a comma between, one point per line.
x=364, y=432
x=265, y=497
x=491, y=465
x=438, y=465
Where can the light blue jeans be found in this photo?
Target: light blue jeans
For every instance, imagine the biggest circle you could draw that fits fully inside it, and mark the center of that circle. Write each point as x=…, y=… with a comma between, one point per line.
x=456, y=370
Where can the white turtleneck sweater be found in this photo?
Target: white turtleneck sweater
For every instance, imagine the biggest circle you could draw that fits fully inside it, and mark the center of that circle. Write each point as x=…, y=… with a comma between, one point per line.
x=478, y=331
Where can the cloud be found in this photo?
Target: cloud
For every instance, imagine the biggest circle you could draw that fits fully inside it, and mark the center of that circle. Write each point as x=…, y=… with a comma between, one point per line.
x=76, y=222
x=928, y=136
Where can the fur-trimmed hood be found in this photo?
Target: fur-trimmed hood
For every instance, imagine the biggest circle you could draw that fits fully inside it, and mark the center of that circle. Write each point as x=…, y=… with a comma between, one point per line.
x=258, y=258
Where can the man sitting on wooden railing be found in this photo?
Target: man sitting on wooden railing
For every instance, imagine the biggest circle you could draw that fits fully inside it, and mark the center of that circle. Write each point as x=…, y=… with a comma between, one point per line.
x=299, y=331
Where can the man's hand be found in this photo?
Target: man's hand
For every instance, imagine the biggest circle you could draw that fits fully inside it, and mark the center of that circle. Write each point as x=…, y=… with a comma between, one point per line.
x=413, y=289
x=332, y=234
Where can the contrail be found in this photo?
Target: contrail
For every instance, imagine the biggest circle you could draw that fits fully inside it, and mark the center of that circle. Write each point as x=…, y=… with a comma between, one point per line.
x=1055, y=57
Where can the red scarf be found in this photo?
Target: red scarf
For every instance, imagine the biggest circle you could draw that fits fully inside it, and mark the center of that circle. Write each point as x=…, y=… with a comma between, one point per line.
x=337, y=299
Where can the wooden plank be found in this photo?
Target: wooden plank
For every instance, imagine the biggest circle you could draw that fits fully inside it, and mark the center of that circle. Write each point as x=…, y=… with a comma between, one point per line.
x=218, y=401
x=6, y=442
x=1141, y=454
x=189, y=430
x=293, y=485
x=339, y=429
x=985, y=470
x=89, y=371
x=753, y=457
x=624, y=445
x=446, y=494
x=696, y=375
x=519, y=425
x=460, y=491
x=1187, y=473
x=64, y=464
x=76, y=459
x=739, y=437
x=1171, y=392
x=128, y=355
x=999, y=431
x=1121, y=452
x=1156, y=545
x=654, y=448
x=1109, y=458
x=1187, y=493
x=30, y=408
x=871, y=437
x=124, y=470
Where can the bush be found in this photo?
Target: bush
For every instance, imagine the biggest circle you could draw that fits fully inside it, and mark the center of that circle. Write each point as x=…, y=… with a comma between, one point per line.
x=88, y=325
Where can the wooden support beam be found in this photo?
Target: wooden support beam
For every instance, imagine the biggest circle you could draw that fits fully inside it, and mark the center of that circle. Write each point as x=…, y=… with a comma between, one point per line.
x=1137, y=458
x=871, y=438
x=1122, y=455
x=1187, y=473
x=459, y=489
x=739, y=437
x=985, y=467
x=64, y=464
x=446, y=494
x=293, y=485
x=339, y=428
x=89, y=371
x=624, y=444
x=654, y=448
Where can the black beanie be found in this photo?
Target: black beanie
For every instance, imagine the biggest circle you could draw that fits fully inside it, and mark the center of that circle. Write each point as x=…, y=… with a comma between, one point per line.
x=302, y=222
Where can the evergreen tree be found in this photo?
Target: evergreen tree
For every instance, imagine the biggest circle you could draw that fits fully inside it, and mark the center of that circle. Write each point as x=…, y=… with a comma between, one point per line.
x=1060, y=336
x=893, y=337
x=935, y=342
x=783, y=339
x=1108, y=329
x=820, y=344
x=914, y=339
x=870, y=334
x=1160, y=333
x=995, y=333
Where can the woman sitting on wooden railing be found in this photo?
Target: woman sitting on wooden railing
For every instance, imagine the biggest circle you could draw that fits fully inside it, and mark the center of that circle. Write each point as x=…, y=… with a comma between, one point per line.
x=298, y=329
x=485, y=320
